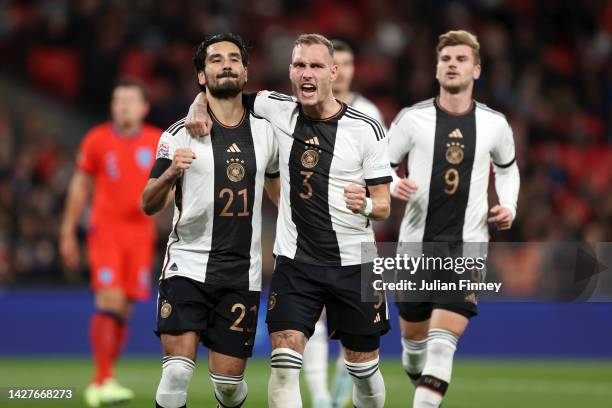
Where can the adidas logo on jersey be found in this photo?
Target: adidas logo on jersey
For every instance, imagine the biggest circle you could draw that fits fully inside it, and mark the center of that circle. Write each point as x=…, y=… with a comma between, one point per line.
x=314, y=141
x=456, y=134
x=377, y=318
x=174, y=268
x=233, y=148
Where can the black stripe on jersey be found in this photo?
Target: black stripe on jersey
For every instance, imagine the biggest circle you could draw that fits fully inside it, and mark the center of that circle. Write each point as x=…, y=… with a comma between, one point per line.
x=175, y=125
x=177, y=129
x=273, y=175
x=229, y=259
x=378, y=180
x=378, y=130
x=280, y=97
x=504, y=166
x=447, y=202
x=159, y=167
x=309, y=167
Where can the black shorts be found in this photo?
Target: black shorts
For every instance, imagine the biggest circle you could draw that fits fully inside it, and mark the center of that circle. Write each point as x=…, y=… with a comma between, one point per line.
x=225, y=318
x=421, y=311
x=299, y=291
x=418, y=306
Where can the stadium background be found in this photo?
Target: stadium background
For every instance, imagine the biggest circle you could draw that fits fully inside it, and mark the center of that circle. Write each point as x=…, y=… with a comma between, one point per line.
x=546, y=64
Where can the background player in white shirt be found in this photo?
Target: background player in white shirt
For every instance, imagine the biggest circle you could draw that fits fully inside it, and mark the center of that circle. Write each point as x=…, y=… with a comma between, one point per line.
x=450, y=141
x=316, y=352
x=211, y=281
x=328, y=154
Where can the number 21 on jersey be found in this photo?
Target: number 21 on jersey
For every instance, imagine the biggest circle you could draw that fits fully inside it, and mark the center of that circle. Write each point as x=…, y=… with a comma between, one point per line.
x=228, y=194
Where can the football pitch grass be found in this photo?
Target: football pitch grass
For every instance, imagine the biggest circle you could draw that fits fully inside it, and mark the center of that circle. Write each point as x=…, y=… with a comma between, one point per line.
x=476, y=383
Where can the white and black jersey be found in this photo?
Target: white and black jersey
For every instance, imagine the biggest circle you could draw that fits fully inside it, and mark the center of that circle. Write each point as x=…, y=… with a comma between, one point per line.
x=217, y=216
x=317, y=160
x=449, y=158
x=359, y=102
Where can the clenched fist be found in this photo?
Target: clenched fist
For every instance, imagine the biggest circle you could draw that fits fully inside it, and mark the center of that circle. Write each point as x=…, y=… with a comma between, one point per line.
x=500, y=216
x=405, y=189
x=198, y=122
x=355, y=198
x=182, y=160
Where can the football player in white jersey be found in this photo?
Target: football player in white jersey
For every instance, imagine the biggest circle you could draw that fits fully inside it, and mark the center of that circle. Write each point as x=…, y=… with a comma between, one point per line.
x=450, y=141
x=329, y=153
x=316, y=352
x=211, y=281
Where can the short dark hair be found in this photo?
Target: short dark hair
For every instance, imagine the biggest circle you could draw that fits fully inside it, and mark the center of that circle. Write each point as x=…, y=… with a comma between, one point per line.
x=133, y=83
x=341, y=45
x=199, y=59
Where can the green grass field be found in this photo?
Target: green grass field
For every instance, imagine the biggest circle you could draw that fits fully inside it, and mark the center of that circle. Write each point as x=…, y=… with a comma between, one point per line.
x=476, y=383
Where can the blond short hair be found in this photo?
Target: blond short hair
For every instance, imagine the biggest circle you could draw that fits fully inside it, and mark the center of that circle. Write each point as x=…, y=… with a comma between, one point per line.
x=311, y=39
x=459, y=37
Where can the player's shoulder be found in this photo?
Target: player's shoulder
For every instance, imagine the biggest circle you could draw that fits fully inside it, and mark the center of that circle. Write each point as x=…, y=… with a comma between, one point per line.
x=368, y=123
x=277, y=96
x=176, y=128
x=418, y=107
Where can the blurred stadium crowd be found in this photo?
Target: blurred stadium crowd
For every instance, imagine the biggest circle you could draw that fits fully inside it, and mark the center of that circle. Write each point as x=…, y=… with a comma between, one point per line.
x=546, y=64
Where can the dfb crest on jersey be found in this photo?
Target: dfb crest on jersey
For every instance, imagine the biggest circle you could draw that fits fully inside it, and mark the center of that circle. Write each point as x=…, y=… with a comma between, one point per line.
x=310, y=157
x=235, y=169
x=454, y=152
x=144, y=157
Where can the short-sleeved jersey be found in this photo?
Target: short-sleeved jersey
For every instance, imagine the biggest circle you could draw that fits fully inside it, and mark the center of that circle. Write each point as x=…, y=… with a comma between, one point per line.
x=216, y=234
x=120, y=166
x=317, y=160
x=449, y=158
x=362, y=104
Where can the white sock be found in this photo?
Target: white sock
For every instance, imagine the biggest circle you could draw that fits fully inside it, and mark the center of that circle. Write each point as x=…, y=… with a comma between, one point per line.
x=413, y=358
x=176, y=376
x=315, y=364
x=441, y=346
x=368, y=384
x=230, y=390
x=284, y=384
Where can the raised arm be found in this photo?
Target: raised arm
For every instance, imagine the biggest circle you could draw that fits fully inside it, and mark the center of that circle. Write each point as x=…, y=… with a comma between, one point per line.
x=198, y=122
x=162, y=179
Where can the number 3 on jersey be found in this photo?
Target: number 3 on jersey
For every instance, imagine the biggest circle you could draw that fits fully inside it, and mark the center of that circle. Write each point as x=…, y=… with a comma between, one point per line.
x=230, y=193
x=305, y=195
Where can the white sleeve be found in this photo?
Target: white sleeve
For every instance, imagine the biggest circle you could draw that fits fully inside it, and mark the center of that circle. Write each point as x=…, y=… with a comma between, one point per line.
x=275, y=107
x=507, y=177
x=166, y=146
x=400, y=138
x=376, y=169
